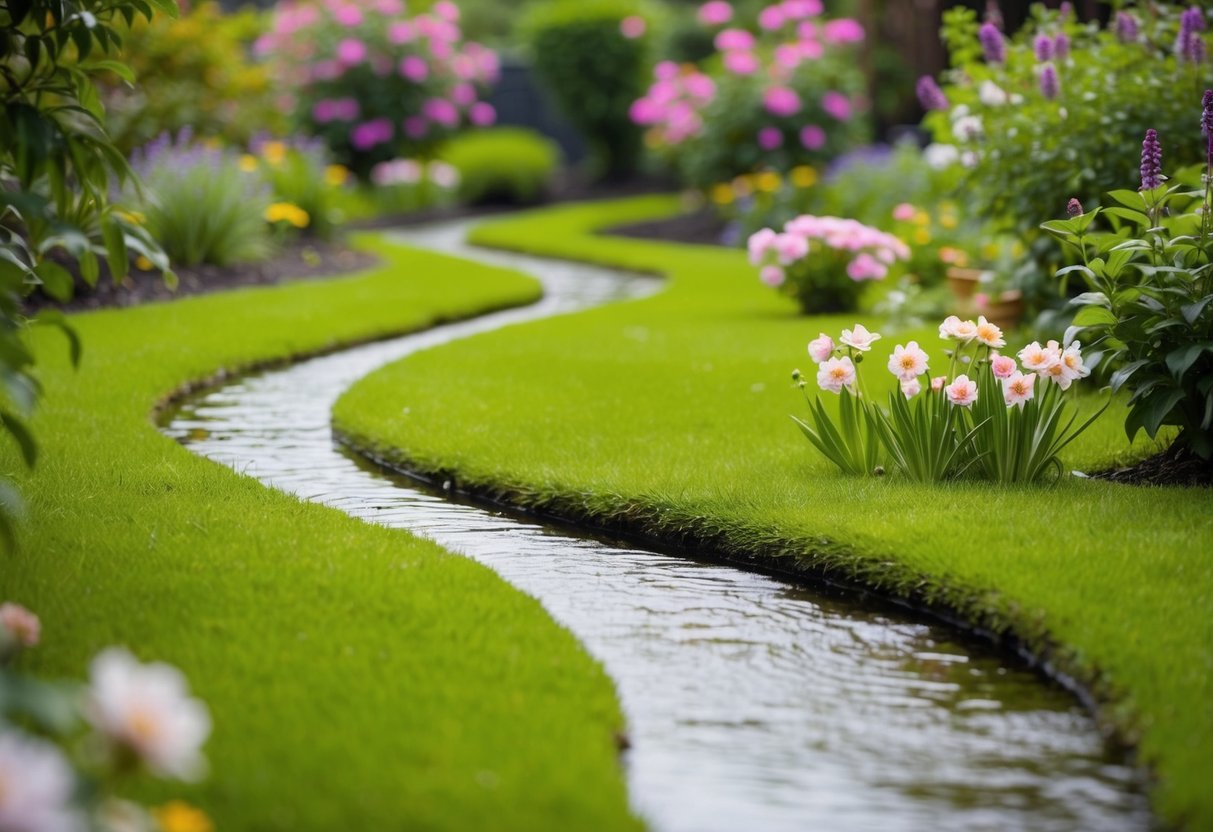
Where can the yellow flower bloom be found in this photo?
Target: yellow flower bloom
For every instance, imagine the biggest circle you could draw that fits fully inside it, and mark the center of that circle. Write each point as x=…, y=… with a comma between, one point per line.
x=179, y=816
x=804, y=176
x=922, y=218
x=336, y=175
x=143, y=264
x=768, y=181
x=989, y=251
x=722, y=194
x=274, y=152
x=248, y=163
x=287, y=212
x=948, y=221
x=922, y=236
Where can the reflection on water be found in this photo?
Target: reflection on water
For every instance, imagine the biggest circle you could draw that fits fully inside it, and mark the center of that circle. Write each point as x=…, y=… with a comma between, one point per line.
x=752, y=704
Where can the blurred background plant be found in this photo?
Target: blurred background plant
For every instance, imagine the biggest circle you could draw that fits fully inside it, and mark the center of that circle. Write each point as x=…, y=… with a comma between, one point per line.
x=502, y=165
x=402, y=186
x=300, y=172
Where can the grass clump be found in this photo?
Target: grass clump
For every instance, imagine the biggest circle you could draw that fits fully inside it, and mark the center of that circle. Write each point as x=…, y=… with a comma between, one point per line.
x=669, y=417
x=359, y=678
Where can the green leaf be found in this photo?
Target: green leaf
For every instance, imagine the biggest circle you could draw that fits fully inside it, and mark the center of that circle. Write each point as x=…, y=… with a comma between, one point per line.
x=25, y=439
x=1130, y=199
x=1092, y=299
x=115, y=249
x=117, y=67
x=1191, y=311
x=1126, y=372
x=1179, y=361
x=56, y=280
x=1090, y=316
x=1136, y=217
x=169, y=7
x=55, y=318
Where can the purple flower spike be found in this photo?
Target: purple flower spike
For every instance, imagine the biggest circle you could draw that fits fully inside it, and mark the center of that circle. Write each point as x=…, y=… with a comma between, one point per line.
x=930, y=96
x=1066, y=11
x=1206, y=114
x=1151, y=161
x=1074, y=208
x=1061, y=46
x=1190, y=45
x=1043, y=46
x=992, y=43
x=1050, y=86
x=1126, y=28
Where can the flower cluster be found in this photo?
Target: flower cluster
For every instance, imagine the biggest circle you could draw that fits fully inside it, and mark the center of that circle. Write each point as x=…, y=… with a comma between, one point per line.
x=672, y=106
x=828, y=247
x=369, y=78
x=141, y=715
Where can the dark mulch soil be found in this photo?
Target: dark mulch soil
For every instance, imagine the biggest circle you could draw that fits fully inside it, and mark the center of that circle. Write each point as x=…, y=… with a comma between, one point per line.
x=703, y=228
x=1174, y=466
x=297, y=261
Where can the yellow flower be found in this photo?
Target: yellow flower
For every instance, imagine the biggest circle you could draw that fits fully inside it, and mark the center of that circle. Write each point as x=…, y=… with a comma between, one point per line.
x=336, y=175
x=990, y=251
x=722, y=194
x=922, y=237
x=179, y=816
x=768, y=181
x=287, y=212
x=948, y=220
x=274, y=152
x=804, y=176
x=922, y=218
x=248, y=163
x=143, y=264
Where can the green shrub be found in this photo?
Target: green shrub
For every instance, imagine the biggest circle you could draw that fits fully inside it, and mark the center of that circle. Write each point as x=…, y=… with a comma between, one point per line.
x=201, y=205
x=300, y=172
x=505, y=164
x=593, y=71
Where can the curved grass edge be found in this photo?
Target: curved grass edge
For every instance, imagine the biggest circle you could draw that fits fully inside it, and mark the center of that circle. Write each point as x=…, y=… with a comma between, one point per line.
x=288, y=616
x=652, y=520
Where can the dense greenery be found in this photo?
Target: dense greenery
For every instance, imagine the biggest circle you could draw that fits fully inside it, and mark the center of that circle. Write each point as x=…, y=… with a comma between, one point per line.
x=669, y=417
x=504, y=164
x=359, y=678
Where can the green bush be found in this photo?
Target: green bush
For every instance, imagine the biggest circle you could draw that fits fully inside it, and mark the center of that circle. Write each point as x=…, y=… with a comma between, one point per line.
x=593, y=71
x=505, y=164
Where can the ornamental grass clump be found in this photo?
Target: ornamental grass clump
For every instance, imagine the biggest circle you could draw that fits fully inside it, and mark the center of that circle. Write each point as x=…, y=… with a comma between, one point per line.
x=986, y=417
x=823, y=262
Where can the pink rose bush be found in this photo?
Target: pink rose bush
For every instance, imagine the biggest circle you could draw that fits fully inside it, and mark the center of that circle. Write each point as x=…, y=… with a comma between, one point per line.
x=372, y=80
x=823, y=262
x=788, y=93
x=988, y=417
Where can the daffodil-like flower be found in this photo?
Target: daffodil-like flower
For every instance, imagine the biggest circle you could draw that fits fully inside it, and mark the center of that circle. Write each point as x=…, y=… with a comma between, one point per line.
x=1018, y=389
x=908, y=362
x=835, y=374
x=962, y=392
x=989, y=334
x=36, y=785
x=859, y=338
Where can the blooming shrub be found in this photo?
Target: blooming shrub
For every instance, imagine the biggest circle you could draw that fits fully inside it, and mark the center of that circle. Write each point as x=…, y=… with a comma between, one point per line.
x=137, y=717
x=374, y=82
x=1005, y=422
x=789, y=94
x=824, y=261
x=1149, y=307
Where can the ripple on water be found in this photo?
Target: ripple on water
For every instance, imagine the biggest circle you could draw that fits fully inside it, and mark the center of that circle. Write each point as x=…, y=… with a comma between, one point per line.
x=751, y=704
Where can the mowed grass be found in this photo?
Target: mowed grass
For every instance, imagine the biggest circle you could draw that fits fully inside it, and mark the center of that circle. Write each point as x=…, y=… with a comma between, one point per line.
x=669, y=416
x=359, y=678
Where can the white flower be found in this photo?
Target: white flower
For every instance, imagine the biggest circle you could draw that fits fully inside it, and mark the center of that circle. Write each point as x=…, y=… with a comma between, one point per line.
x=1039, y=359
x=1071, y=362
x=36, y=786
x=991, y=94
x=1018, y=388
x=958, y=330
x=859, y=338
x=989, y=334
x=821, y=348
x=911, y=388
x=968, y=128
x=940, y=156
x=962, y=392
x=970, y=159
x=908, y=362
x=147, y=709
x=835, y=374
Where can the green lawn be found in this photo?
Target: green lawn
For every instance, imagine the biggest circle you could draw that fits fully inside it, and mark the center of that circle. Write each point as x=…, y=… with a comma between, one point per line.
x=670, y=416
x=359, y=678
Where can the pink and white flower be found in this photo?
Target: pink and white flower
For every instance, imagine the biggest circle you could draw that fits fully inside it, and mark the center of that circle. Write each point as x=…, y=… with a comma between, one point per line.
x=772, y=275
x=715, y=13
x=21, y=625
x=821, y=348
x=859, y=338
x=760, y=243
x=957, y=330
x=1018, y=388
x=632, y=27
x=938, y=382
x=908, y=362
x=36, y=785
x=911, y=388
x=835, y=374
x=1003, y=366
x=146, y=709
x=1038, y=359
x=989, y=334
x=904, y=212
x=789, y=248
x=962, y=392
x=1072, y=365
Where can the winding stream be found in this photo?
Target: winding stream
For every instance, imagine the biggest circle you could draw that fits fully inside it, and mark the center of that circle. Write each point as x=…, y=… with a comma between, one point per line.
x=752, y=704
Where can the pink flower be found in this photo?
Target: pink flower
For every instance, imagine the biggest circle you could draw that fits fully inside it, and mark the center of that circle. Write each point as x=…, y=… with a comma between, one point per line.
x=371, y=133
x=989, y=334
x=962, y=392
x=798, y=9
x=348, y=16
x=446, y=10
x=441, y=111
x=482, y=114
x=821, y=348
x=36, y=786
x=781, y=101
x=866, y=267
x=812, y=137
x=843, y=30
x=351, y=51
x=957, y=330
x=1003, y=366
x=20, y=624
x=908, y=362
x=772, y=275
x=789, y=248
x=835, y=374
x=415, y=127
x=911, y=388
x=1018, y=389
x=836, y=105
x=740, y=63
x=788, y=56
x=770, y=138
x=734, y=40
x=771, y=18
x=904, y=212
x=1071, y=362
x=666, y=71
x=335, y=109
x=859, y=338
x=715, y=13
x=401, y=32
x=463, y=94
x=938, y=382
x=1039, y=359
x=760, y=243
x=632, y=27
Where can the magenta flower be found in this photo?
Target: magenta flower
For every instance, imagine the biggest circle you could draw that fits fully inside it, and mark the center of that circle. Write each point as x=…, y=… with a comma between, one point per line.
x=930, y=96
x=1126, y=28
x=781, y=101
x=843, y=30
x=772, y=18
x=1043, y=47
x=441, y=111
x=1074, y=208
x=1050, y=86
x=632, y=27
x=734, y=39
x=348, y=16
x=715, y=13
x=800, y=9
x=1151, y=161
x=415, y=127
x=812, y=137
x=741, y=63
x=414, y=68
x=401, y=32
x=482, y=114
x=1061, y=46
x=770, y=138
x=836, y=105
x=351, y=51
x=372, y=133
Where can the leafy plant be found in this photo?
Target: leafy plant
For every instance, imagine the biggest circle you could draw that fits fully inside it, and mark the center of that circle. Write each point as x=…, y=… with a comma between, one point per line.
x=300, y=172
x=505, y=164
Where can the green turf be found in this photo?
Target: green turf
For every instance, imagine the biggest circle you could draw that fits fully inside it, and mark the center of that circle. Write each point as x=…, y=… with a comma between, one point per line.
x=359, y=678
x=670, y=416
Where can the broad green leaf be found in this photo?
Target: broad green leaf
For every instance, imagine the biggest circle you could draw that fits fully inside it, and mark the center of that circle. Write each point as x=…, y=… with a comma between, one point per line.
x=1130, y=199
x=56, y=280
x=22, y=436
x=115, y=248
x=1179, y=361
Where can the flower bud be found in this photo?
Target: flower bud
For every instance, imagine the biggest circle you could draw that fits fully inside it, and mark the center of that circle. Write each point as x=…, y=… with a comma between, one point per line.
x=1074, y=208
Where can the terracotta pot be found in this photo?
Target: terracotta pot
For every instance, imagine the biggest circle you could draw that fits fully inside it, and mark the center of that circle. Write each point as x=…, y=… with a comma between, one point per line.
x=963, y=282
x=1006, y=312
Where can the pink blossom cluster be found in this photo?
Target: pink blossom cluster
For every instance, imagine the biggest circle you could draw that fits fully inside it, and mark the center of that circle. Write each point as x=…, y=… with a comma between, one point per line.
x=412, y=172
x=672, y=106
x=338, y=60
x=868, y=252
